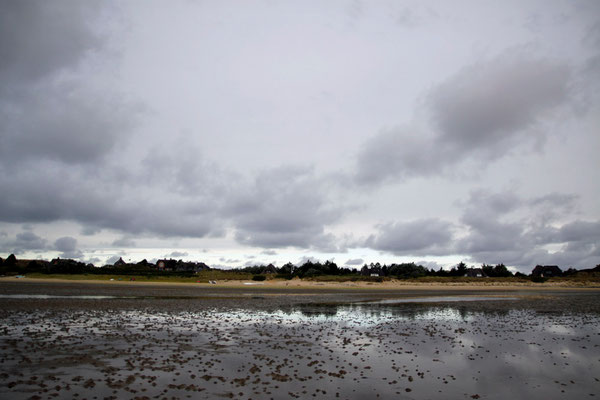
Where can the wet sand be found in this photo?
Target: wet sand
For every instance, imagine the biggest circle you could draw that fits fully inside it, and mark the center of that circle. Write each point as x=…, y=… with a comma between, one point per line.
x=188, y=341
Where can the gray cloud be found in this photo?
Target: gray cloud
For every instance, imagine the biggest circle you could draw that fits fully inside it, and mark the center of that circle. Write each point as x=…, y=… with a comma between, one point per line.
x=67, y=123
x=230, y=260
x=429, y=236
x=486, y=105
x=305, y=259
x=65, y=243
x=480, y=113
x=130, y=204
x=123, y=242
x=520, y=239
x=286, y=206
x=583, y=233
x=500, y=227
x=68, y=247
x=30, y=241
x=74, y=147
x=481, y=215
x=46, y=108
x=38, y=38
x=113, y=259
x=355, y=261
x=22, y=242
x=397, y=153
x=177, y=254
x=430, y=264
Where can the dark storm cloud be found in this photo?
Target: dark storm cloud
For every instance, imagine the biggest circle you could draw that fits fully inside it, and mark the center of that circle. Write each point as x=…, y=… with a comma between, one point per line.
x=480, y=113
x=428, y=236
x=286, y=206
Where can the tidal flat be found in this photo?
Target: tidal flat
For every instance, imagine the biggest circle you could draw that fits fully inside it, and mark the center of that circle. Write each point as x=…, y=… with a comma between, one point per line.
x=105, y=342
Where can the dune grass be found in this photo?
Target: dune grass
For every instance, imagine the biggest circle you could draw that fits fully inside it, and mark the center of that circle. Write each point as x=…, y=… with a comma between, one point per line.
x=203, y=277
x=224, y=275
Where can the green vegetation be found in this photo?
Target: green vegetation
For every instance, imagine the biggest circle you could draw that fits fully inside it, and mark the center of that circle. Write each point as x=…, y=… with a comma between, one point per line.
x=348, y=278
x=179, y=271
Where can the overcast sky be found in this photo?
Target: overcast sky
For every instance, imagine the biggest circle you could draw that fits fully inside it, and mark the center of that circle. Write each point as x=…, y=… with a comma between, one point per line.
x=248, y=132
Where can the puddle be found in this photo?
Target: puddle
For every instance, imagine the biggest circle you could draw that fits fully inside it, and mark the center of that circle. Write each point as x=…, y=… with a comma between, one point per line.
x=437, y=299
x=49, y=296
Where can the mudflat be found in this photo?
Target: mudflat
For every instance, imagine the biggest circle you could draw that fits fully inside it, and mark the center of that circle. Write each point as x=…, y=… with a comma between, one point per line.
x=146, y=340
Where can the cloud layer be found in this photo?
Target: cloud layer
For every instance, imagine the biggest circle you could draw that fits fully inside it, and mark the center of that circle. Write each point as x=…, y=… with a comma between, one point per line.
x=482, y=112
x=300, y=128
x=499, y=227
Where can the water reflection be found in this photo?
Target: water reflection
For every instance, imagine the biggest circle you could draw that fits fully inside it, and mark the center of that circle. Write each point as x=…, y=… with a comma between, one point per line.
x=375, y=311
x=353, y=351
x=50, y=296
x=438, y=299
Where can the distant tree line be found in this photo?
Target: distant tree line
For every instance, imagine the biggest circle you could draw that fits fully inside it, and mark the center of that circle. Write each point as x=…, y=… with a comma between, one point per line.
x=404, y=270
x=308, y=269
x=68, y=266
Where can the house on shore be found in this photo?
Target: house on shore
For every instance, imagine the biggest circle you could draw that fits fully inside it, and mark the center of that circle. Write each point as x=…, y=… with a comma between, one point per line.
x=546, y=271
x=475, y=273
x=180, y=266
x=120, y=262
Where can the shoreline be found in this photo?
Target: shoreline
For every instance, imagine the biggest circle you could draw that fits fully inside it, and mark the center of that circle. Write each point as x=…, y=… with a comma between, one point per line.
x=296, y=284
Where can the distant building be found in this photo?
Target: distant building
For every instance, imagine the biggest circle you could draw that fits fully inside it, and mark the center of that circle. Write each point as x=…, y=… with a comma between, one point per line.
x=270, y=269
x=119, y=262
x=475, y=273
x=546, y=271
x=180, y=266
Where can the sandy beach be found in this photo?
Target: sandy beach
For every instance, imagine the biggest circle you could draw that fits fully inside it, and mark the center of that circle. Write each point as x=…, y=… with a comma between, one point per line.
x=401, y=285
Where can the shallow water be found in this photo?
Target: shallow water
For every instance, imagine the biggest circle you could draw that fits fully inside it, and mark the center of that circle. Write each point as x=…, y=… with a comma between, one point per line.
x=438, y=299
x=345, y=350
x=51, y=296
